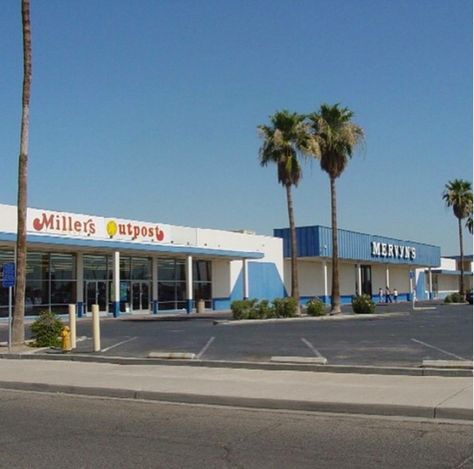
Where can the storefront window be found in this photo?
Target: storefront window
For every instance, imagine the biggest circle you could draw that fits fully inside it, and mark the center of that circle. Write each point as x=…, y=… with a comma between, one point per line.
x=202, y=282
x=125, y=268
x=141, y=268
x=171, y=284
x=97, y=267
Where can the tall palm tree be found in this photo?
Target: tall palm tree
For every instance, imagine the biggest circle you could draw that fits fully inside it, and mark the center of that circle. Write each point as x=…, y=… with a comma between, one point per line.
x=18, y=330
x=284, y=140
x=336, y=136
x=458, y=194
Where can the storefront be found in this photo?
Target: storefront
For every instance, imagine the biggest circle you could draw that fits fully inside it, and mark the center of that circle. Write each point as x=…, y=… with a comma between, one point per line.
x=128, y=267
x=367, y=263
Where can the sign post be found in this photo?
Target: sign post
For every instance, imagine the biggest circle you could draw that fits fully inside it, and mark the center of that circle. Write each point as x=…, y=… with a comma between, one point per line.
x=8, y=281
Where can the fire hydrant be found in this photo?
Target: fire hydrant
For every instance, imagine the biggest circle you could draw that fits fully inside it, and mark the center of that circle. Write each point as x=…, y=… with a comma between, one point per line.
x=66, y=339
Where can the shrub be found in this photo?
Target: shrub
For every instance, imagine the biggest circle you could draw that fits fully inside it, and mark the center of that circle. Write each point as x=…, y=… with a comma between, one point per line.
x=454, y=298
x=264, y=310
x=46, y=330
x=285, y=307
x=315, y=308
x=363, y=304
x=242, y=309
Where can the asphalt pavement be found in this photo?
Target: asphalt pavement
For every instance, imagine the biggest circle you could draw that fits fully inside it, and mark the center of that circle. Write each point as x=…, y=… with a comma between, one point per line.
x=231, y=363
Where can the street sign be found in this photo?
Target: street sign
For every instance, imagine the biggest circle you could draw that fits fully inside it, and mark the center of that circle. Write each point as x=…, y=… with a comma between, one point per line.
x=8, y=275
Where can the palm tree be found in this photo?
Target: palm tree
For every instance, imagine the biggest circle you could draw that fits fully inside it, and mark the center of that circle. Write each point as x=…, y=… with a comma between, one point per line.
x=283, y=141
x=458, y=194
x=336, y=137
x=18, y=330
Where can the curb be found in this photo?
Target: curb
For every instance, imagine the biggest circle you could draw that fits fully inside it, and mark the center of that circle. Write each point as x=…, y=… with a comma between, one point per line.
x=309, y=367
x=327, y=317
x=252, y=403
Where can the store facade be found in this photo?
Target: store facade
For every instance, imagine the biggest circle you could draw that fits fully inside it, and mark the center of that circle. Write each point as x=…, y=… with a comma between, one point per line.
x=366, y=264
x=128, y=266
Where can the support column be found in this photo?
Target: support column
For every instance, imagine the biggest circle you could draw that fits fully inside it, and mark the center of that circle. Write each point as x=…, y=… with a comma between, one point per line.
x=387, y=276
x=430, y=283
x=189, y=284
x=154, y=285
x=325, y=277
x=116, y=285
x=359, y=280
x=245, y=278
x=80, y=285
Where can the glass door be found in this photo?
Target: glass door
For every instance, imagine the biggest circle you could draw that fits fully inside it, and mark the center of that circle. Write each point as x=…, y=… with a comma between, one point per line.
x=140, y=296
x=366, y=277
x=95, y=292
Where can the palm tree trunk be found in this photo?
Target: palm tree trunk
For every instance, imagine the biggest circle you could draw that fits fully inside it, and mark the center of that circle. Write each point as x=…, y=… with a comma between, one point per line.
x=335, y=295
x=294, y=252
x=18, y=329
x=461, y=250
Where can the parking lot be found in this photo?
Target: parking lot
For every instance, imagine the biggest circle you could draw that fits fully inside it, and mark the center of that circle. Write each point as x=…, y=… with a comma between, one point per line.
x=402, y=338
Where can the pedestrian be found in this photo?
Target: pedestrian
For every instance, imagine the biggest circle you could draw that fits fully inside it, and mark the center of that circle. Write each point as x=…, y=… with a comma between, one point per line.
x=388, y=296
x=380, y=295
x=395, y=295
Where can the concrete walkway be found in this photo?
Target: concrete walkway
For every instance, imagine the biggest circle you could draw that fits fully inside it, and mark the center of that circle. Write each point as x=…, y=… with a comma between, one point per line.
x=406, y=396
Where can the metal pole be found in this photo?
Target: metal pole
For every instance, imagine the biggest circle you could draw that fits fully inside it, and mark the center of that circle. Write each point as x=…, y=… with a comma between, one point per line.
x=9, y=319
x=96, y=327
x=72, y=324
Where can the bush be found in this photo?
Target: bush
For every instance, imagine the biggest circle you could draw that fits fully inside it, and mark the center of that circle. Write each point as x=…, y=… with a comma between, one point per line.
x=265, y=310
x=315, y=308
x=46, y=330
x=243, y=309
x=285, y=307
x=363, y=304
x=454, y=298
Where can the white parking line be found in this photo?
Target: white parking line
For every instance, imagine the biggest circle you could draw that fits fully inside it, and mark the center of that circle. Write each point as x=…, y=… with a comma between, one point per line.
x=203, y=350
x=438, y=349
x=116, y=345
x=310, y=345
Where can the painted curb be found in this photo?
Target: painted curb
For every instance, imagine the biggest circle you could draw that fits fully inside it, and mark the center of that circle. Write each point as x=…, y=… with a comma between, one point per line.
x=448, y=364
x=313, y=360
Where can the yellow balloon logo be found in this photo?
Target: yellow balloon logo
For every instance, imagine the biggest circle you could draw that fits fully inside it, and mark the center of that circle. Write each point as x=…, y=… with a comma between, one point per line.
x=111, y=228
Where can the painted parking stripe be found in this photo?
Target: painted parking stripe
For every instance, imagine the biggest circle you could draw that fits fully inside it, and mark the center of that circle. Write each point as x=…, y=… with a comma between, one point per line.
x=438, y=349
x=310, y=345
x=203, y=350
x=116, y=345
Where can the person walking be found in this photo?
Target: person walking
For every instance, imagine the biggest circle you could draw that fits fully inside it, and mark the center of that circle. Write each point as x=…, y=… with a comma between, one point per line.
x=388, y=295
x=395, y=295
x=380, y=295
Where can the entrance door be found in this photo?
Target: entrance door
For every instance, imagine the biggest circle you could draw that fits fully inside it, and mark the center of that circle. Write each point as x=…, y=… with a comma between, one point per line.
x=95, y=292
x=366, y=279
x=140, y=296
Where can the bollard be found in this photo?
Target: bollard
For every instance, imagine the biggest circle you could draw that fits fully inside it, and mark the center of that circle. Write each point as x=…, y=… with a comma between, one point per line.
x=96, y=327
x=65, y=339
x=72, y=324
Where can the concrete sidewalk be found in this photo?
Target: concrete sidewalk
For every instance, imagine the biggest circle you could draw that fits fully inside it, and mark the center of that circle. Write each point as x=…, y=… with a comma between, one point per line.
x=406, y=396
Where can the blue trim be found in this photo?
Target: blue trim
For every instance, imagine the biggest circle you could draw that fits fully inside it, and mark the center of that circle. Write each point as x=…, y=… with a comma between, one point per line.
x=80, y=309
x=118, y=246
x=219, y=304
x=116, y=309
x=189, y=306
x=316, y=241
x=154, y=306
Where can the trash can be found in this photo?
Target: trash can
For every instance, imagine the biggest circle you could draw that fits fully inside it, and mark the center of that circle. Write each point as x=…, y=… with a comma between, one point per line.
x=200, y=306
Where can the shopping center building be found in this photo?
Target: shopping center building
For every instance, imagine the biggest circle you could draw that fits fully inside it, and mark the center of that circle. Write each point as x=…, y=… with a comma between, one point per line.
x=129, y=266
x=366, y=264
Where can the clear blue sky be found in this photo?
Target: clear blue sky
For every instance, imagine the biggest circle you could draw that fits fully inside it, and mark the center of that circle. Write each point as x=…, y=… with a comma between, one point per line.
x=148, y=109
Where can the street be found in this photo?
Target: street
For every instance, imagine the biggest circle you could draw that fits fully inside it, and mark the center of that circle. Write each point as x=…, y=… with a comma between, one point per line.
x=41, y=430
